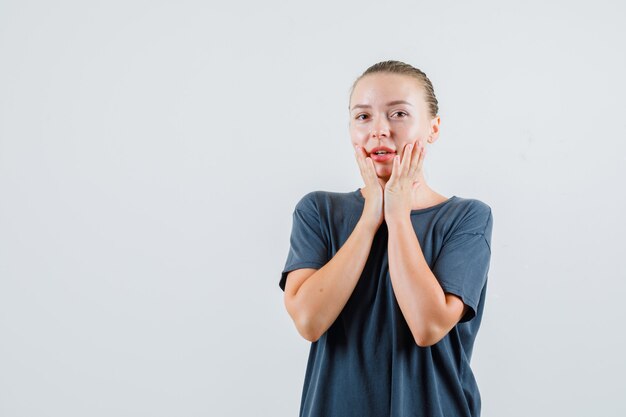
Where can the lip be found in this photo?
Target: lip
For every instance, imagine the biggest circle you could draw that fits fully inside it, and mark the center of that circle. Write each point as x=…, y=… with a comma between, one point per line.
x=382, y=158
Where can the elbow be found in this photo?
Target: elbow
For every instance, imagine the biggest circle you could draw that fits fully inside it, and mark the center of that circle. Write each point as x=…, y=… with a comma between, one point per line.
x=427, y=342
x=311, y=338
x=423, y=342
x=305, y=326
x=307, y=330
x=427, y=337
x=308, y=323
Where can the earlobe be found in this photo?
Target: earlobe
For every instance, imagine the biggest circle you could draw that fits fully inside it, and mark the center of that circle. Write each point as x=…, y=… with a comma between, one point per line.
x=433, y=137
x=434, y=133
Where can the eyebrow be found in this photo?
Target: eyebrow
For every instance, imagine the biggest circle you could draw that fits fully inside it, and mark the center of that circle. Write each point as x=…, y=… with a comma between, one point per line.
x=391, y=103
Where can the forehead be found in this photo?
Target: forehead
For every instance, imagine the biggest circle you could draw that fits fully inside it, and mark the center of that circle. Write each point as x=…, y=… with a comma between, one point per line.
x=379, y=88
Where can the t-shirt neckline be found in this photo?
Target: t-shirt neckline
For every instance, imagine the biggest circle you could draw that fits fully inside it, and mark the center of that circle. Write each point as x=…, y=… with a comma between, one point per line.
x=359, y=197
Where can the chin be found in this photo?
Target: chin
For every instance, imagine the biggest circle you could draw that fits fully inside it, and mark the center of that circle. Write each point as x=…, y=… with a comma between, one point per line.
x=386, y=173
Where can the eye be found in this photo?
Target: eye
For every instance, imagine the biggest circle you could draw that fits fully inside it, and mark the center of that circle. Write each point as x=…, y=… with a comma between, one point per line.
x=359, y=116
x=401, y=113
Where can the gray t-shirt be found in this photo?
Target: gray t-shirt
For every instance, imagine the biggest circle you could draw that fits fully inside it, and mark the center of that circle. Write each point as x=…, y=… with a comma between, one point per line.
x=367, y=363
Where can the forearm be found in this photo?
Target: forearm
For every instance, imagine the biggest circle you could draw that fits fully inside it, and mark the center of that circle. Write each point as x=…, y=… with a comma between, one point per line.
x=419, y=294
x=323, y=295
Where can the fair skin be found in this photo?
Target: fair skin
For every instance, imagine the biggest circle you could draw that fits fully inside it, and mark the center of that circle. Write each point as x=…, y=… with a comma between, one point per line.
x=314, y=298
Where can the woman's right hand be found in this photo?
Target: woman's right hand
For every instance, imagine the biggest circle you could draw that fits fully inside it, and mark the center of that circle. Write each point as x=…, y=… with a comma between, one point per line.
x=373, y=211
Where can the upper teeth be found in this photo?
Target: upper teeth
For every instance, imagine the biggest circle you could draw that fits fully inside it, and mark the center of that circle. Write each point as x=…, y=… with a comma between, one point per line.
x=380, y=152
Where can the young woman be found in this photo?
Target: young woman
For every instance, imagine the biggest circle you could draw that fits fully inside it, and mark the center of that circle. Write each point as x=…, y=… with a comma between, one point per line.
x=388, y=281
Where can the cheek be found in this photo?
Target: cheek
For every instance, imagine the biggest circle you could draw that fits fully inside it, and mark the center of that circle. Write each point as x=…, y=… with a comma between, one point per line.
x=356, y=130
x=357, y=139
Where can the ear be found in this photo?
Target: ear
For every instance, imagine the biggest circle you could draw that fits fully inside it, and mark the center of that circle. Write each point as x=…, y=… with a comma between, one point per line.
x=434, y=130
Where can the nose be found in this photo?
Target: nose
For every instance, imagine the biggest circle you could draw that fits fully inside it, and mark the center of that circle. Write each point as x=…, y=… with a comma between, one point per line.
x=380, y=128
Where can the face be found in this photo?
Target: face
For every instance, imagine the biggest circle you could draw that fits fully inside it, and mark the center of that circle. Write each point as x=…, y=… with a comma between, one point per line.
x=389, y=110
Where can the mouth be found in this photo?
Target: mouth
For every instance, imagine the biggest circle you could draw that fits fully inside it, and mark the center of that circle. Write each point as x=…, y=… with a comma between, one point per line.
x=382, y=154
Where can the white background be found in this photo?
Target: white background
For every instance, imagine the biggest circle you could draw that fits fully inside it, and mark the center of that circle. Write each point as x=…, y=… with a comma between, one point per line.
x=151, y=154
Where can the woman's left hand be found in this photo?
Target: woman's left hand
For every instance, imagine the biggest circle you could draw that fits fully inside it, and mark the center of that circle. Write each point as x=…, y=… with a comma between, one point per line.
x=403, y=181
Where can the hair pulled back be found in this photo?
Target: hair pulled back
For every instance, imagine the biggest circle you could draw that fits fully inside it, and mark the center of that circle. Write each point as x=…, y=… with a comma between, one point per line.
x=398, y=67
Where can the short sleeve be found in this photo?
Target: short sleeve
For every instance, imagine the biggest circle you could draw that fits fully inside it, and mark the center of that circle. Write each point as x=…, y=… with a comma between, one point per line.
x=463, y=262
x=308, y=247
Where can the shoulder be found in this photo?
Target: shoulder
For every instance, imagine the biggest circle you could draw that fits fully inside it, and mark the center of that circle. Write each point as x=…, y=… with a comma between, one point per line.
x=471, y=215
x=473, y=206
x=311, y=201
x=324, y=201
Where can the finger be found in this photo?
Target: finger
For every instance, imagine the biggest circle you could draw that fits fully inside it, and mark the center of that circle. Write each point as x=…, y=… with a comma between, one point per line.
x=371, y=169
x=422, y=156
x=364, y=164
x=406, y=159
x=357, y=156
x=414, y=168
x=368, y=171
x=395, y=168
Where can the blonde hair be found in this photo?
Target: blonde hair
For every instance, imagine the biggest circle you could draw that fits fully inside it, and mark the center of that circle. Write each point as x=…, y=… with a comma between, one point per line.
x=397, y=67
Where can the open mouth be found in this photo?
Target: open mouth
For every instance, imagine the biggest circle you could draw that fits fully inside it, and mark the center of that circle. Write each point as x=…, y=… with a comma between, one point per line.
x=382, y=156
